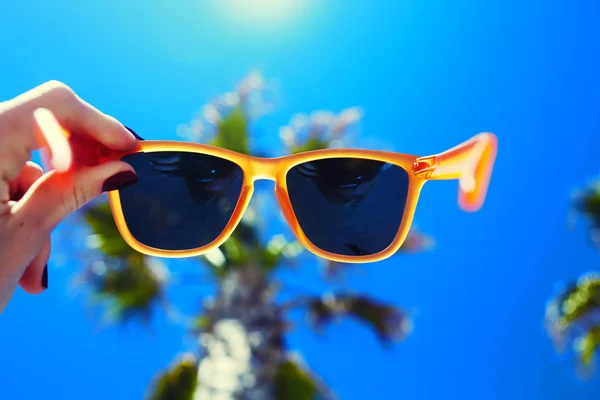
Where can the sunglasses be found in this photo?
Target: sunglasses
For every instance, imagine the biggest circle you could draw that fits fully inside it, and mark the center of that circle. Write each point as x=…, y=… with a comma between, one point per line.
x=345, y=205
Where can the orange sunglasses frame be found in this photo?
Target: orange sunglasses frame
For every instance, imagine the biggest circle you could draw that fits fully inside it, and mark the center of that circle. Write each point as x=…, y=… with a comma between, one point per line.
x=470, y=162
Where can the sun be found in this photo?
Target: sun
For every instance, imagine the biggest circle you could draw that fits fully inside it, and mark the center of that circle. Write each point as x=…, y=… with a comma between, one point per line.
x=262, y=10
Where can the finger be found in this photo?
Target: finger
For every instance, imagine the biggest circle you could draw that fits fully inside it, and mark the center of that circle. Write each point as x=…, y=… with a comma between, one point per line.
x=13, y=261
x=30, y=173
x=35, y=278
x=6, y=293
x=18, y=127
x=54, y=196
x=32, y=280
x=58, y=153
x=74, y=114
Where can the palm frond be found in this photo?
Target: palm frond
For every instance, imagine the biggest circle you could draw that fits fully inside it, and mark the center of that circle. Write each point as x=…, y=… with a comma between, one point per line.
x=179, y=382
x=586, y=202
x=126, y=281
x=389, y=322
x=586, y=348
x=294, y=382
x=232, y=132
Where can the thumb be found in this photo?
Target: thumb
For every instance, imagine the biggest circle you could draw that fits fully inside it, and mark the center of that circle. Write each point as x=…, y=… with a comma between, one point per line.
x=56, y=195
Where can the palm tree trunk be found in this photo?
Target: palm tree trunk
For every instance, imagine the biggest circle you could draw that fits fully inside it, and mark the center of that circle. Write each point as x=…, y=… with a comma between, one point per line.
x=244, y=344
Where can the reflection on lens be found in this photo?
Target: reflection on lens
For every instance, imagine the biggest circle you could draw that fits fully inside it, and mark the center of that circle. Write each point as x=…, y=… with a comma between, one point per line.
x=181, y=200
x=348, y=206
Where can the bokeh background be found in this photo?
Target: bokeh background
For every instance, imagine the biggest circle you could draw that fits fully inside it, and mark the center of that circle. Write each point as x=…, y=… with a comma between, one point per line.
x=428, y=75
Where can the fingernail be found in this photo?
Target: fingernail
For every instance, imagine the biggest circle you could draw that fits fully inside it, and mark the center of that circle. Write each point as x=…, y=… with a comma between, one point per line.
x=119, y=181
x=138, y=137
x=45, y=277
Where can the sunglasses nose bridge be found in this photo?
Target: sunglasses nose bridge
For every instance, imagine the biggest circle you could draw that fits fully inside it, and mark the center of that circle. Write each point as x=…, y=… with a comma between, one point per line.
x=264, y=168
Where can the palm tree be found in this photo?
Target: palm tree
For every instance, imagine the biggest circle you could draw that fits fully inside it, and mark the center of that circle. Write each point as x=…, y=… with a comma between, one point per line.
x=241, y=350
x=573, y=316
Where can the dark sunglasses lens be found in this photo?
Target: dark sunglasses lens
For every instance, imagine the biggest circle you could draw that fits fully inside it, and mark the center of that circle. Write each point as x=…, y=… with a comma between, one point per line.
x=181, y=200
x=348, y=206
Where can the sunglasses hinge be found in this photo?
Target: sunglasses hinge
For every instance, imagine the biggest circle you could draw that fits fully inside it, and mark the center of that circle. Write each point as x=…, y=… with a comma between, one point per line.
x=424, y=166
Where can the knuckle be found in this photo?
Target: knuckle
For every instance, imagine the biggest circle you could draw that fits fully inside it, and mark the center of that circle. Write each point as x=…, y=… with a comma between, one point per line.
x=66, y=205
x=57, y=86
x=66, y=99
x=79, y=198
x=63, y=93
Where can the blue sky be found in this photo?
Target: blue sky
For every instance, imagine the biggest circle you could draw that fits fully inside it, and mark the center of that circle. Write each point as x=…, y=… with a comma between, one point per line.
x=428, y=74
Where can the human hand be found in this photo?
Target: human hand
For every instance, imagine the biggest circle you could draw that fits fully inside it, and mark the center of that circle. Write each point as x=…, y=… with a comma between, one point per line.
x=33, y=203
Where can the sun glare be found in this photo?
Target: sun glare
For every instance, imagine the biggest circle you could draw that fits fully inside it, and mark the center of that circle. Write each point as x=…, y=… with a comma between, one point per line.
x=263, y=11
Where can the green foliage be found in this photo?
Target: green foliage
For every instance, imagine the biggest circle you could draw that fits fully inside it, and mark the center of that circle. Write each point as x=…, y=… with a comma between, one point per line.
x=129, y=286
x=201, y=323
x=99, y=218
x=232, y=132
x=313, y=143
x=292, y=383
x=572, y=316
x=389, y=322
x=278, y=249
x=245, y=247
x=178, y=383
x=587, y=202
x=236, y=252
x=587, y=346
x=133, y=288
x=581, y=300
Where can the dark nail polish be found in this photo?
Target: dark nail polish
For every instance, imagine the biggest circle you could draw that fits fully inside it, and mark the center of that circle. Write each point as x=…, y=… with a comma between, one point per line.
x=138, y=137
x=45, y=277
x=119, y=181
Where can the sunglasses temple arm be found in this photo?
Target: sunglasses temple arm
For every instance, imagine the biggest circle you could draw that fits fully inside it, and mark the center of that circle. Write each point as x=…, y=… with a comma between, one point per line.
x=471, y=163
